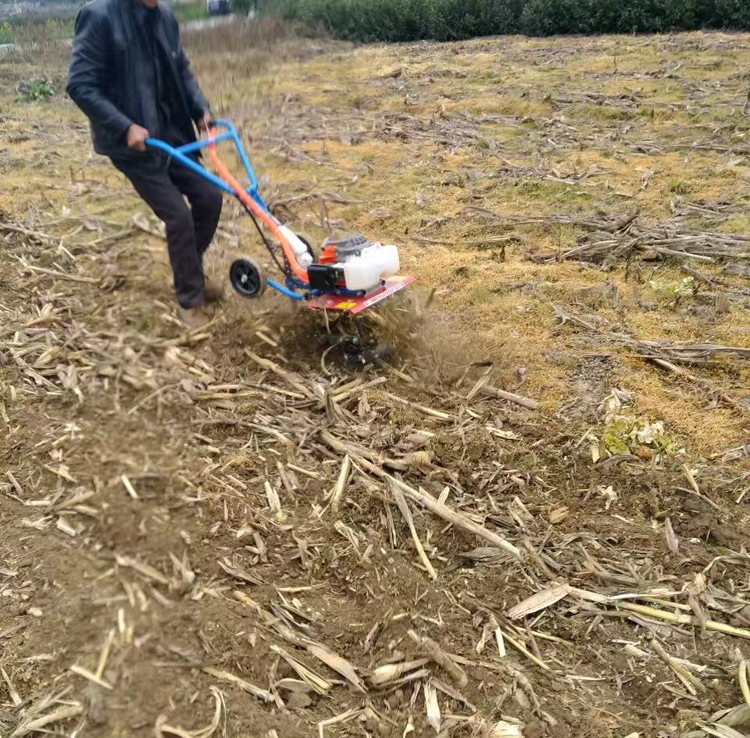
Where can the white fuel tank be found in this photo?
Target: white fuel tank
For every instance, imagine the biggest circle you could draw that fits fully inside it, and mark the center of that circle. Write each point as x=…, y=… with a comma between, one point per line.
x=374, y=263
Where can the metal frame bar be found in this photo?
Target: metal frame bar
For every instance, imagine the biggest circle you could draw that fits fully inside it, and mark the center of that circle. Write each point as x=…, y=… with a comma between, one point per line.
x=180, y=153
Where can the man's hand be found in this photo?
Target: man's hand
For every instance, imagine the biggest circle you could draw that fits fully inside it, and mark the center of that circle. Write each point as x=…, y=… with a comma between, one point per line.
x=204, y=124
x=136, y=137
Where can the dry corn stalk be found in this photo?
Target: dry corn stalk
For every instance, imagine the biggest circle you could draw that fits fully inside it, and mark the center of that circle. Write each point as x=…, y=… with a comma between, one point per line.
x=129, y=487
x=672, y=542
x=743, y=677
x=432, y=706
x=143, y=569
x=722, y=731
x=292, y=379
x=315, y=680
x=226, y=676
x=86, y=674
x=661, y=614
x=525, y=651
x=14, y=696
x=273, y=499
x=389, y=672
x=161, y=728
x=345, y=717
x=505, y=729
x=403, y=506
x=539, y=601
x=335, y=662
x=441, y=658
x=338, y=490
x=424, y=499
x=691, y=682
x=66, y=712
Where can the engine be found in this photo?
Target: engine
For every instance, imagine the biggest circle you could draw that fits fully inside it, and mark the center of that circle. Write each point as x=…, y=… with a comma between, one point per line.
x=352, y=263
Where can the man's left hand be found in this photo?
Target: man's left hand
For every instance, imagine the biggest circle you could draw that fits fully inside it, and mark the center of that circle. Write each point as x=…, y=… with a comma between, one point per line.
x=204, y=124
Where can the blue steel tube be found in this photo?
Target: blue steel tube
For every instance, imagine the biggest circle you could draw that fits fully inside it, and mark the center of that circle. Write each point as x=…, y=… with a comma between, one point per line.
x=202, y=143
x=176, y=154
x=243, y=156
x=283, y=290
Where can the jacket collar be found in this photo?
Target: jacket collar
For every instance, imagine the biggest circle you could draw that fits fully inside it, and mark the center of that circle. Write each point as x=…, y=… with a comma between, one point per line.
x=139, y=10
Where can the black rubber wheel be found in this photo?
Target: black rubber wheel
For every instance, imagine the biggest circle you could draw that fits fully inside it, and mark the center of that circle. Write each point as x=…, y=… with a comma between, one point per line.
x=246, y=278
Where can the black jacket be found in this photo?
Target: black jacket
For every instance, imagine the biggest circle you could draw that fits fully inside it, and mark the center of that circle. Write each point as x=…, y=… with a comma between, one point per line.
x=113, y=80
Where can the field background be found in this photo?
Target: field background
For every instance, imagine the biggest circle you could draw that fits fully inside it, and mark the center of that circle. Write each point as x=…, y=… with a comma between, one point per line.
x=28, y=24
x=141, y=541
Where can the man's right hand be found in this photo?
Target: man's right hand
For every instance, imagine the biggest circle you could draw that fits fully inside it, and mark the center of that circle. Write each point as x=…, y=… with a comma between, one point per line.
x=136, y=137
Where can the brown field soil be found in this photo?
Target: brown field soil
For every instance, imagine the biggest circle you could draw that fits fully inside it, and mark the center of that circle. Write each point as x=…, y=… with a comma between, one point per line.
x=206, y=533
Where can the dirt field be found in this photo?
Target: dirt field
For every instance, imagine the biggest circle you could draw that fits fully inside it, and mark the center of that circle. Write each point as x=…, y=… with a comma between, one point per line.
x=208, y=534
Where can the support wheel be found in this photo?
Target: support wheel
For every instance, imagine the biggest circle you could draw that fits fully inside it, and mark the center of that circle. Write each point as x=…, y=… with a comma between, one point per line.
x=246, y=278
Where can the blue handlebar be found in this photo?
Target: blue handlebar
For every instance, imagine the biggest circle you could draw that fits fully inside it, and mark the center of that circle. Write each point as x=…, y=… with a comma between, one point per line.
x=180, y=153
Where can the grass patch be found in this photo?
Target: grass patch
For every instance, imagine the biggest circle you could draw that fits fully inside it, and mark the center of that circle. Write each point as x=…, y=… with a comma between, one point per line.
x=534, y=192
x=185, y=12
x=679, y=187
x=6, y=33
x=36, y=29
x=36, y=90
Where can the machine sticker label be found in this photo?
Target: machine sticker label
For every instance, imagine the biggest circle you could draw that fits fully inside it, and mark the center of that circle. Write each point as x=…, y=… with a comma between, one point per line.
x=358, y=304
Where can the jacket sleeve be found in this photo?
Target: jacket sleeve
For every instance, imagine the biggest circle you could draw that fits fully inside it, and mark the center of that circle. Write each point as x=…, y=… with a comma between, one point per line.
x=90, y=70
x=195, y=98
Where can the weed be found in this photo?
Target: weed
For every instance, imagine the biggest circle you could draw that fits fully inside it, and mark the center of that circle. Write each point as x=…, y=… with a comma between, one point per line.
x=678, y=187
x=35, y=90
x=185, y=12
x=671, y=291
x=625, y=434
x=6, y=33
x=479, y=295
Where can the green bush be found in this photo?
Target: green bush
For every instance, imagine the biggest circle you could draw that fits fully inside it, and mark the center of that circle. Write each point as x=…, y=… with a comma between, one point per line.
x=445, y=20
x=734, y=13
x=6, y=33
x=35, y=90
x=185, y=12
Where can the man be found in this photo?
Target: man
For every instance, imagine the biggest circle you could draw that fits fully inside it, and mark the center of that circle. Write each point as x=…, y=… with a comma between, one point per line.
x=130, y=76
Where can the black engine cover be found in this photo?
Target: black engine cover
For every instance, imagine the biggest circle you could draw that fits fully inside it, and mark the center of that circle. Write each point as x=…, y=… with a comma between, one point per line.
x=322, y=277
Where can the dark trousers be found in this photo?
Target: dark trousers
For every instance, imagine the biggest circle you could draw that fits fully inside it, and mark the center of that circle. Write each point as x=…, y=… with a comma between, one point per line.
x=189, y=229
